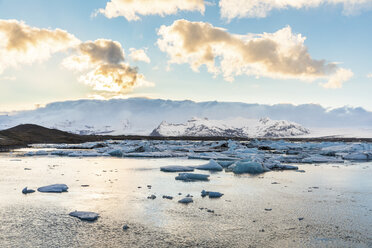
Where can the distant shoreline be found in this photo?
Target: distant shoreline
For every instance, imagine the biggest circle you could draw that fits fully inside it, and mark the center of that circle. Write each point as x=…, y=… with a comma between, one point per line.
x=24, y=135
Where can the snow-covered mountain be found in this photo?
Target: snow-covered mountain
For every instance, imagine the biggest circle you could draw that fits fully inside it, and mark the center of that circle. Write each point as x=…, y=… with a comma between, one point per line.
x=141, y=116
x=238, y=127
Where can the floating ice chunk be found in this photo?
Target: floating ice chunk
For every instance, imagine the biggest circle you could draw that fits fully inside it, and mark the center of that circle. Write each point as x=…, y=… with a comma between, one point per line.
x=154, y=154
x=321, y=159
x=37, y=153
x=192, y=177
x=248, y=167
x=176, y=168
x=186, y=200
x=211, y=165
x=88, y=216
x=116, y=153
x=152, y=197
x=214, y=194
x=204, y=193
x=287, y=167
x=167, y=197
x=356, y=156
x=60, y=153
x=225, y=164
x=53, y=188
x=27, y=191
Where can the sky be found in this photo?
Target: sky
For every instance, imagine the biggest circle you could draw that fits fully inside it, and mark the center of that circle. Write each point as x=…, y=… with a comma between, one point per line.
x=267, y=52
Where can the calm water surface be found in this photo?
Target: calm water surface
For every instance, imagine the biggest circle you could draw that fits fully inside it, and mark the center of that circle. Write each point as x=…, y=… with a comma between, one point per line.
x=335, y=202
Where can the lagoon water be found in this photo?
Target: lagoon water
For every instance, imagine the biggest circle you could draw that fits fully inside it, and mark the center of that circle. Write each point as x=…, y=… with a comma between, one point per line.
x=334, y=200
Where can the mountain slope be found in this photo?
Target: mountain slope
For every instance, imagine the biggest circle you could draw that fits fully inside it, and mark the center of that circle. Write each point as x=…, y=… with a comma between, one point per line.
x=231, y=128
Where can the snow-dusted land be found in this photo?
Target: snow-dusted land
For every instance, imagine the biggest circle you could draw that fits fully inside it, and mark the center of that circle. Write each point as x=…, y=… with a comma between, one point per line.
x=141, y=116
x=238, y=127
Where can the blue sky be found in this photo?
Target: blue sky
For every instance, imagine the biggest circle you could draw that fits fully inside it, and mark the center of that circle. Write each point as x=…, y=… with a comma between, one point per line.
x=330, y=34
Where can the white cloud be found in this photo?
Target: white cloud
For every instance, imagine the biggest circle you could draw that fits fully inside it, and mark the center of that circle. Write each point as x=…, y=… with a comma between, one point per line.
x=139, y=55
x=131, y=9
x=104, y=66
x=369, y=75
x=260, y=8
x=337, y=79
x=22, y=44
x=277, y=55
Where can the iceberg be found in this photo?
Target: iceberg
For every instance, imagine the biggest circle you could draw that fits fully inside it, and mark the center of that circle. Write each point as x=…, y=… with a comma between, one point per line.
x=248, y=167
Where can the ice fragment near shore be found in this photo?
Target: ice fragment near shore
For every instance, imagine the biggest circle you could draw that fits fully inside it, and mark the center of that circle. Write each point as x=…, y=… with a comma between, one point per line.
x=211, y=194
x=27, y=191
x=53, y=188
x=186, y=200
x=88, y=216
x=176, y=168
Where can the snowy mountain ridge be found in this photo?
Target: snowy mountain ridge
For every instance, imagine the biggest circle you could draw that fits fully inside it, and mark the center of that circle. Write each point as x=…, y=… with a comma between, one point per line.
x=238, y=127
x=140, y=116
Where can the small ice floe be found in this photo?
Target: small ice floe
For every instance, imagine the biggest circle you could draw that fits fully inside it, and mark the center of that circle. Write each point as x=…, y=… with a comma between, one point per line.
x=189, y=177
x=27, y=168
x=116, y=153
x=186, y=200
x=211, y=166
x=168, y=197
x=268, y=209
x=152, y=197
x=176, y=168
x=357, y=156
x=27, y=191
x=321, y=159
x=211, y=194
x=125, y=227
x=36, y=153
x=87, y=216
x=53, y=188
x=248, y=167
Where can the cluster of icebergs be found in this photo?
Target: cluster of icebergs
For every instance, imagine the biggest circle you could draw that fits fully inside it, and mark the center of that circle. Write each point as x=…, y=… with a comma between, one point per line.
x=255, y=156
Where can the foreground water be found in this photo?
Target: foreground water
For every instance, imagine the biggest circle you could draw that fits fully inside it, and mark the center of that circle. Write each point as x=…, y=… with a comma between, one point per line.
x=334, y=200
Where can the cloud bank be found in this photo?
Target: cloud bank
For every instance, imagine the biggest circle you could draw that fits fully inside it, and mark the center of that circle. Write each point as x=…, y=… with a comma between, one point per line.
x=131, y=9
x=231, y=9
x=102, y=61
x=282, y=54
x=22, y=44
